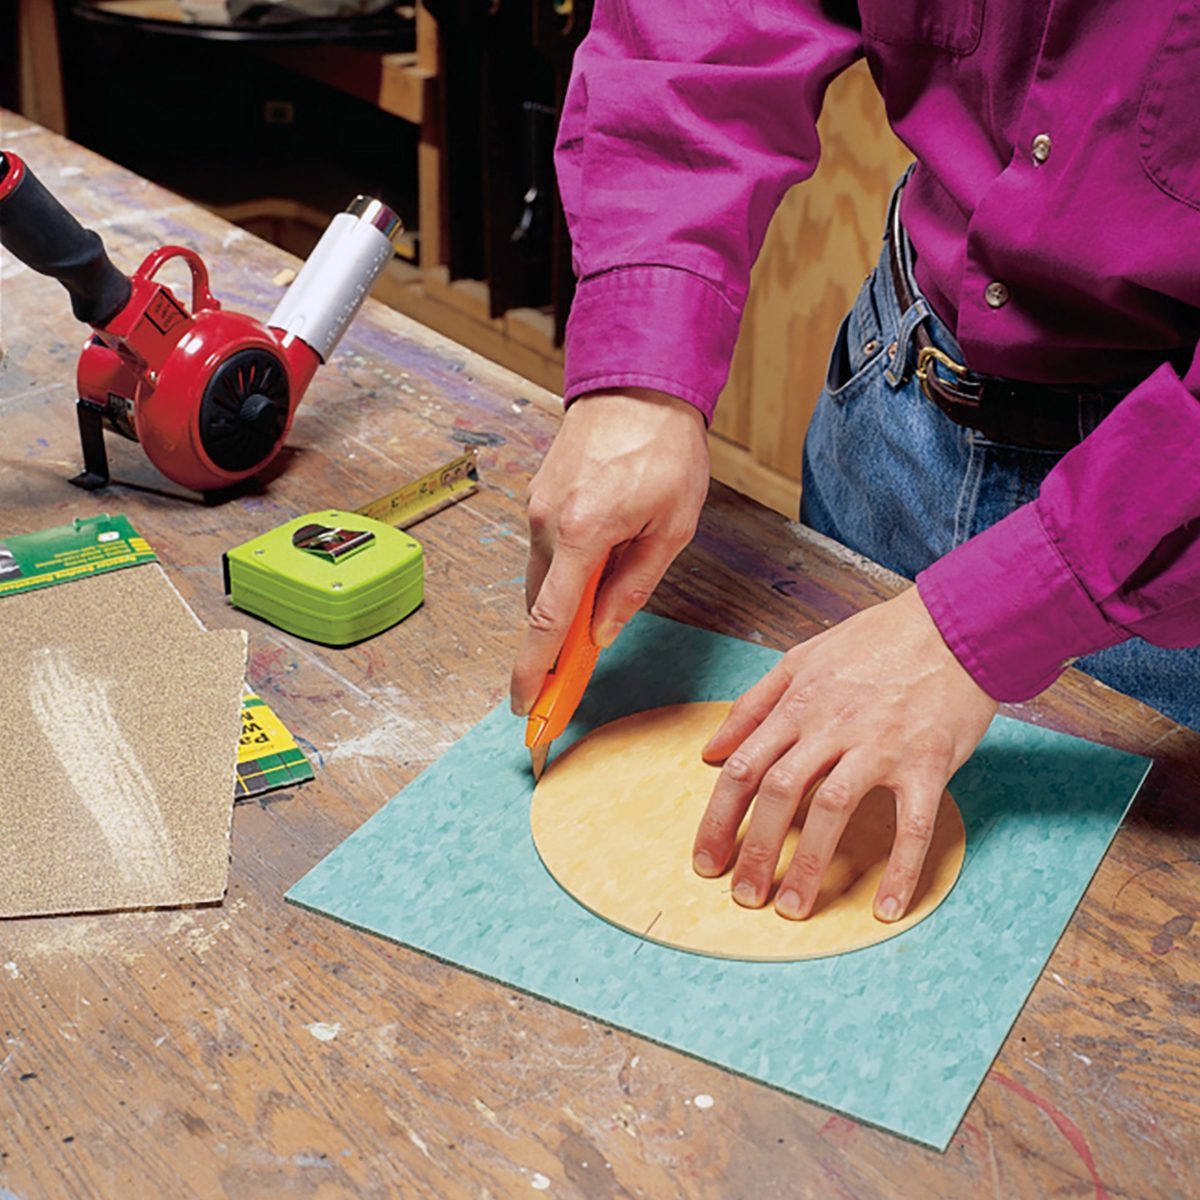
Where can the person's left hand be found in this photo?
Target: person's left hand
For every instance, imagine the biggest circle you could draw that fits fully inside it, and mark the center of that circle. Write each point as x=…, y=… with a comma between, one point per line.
x=877, y=701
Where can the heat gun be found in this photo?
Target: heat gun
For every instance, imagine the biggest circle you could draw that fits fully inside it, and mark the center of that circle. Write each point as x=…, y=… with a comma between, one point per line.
x=210, y=394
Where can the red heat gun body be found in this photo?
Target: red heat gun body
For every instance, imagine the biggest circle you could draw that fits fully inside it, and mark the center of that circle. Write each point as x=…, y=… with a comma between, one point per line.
x=210, y=394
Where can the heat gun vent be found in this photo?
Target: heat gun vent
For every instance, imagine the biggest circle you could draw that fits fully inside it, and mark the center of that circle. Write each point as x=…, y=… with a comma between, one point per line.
x=244, y=410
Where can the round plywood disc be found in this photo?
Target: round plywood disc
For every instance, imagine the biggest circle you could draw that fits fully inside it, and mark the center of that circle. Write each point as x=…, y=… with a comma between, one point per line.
x=614, y=819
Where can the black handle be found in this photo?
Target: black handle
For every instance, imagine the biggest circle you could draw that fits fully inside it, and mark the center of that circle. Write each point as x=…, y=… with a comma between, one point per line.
x=45, y=237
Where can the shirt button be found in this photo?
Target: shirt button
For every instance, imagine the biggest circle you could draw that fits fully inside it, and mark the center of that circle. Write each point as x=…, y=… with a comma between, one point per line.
x=1041, y=148
x=996, y=294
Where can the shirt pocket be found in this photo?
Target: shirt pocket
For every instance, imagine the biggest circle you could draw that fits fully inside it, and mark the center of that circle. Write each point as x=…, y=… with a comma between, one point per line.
x=1168, y=120
x=953, y=25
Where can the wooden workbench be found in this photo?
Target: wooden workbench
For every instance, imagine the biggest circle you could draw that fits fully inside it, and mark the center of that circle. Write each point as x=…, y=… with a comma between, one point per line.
x=255, y=1050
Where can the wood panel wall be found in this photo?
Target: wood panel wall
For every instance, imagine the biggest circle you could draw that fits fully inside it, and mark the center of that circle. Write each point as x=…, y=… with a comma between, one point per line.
x=823, y=241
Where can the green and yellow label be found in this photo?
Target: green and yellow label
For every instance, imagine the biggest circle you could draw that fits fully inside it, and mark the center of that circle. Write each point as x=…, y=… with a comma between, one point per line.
x=268, y=757
x=88, y=546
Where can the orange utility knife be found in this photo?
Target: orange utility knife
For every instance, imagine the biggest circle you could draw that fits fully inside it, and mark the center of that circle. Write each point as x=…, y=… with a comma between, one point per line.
x=565, y=684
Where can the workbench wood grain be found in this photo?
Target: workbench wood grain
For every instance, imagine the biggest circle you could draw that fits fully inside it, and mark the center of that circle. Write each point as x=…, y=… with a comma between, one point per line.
x=254, y=1050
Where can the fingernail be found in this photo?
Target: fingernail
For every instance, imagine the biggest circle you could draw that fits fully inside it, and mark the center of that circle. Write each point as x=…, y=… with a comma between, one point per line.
x=607, y=634
x=788, y=903
x=519, y=708
x=704, y=864
x=745, y=895
x=889, y=909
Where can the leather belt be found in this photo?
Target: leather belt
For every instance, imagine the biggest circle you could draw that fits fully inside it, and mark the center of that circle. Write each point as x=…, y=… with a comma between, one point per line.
x=1033, y=416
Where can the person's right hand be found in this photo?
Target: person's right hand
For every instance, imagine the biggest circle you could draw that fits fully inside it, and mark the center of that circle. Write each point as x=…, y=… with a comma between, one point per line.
x=625, y=479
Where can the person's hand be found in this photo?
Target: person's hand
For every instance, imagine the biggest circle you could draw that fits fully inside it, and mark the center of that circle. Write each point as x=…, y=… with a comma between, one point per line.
x=878, y=700
x=625, y=479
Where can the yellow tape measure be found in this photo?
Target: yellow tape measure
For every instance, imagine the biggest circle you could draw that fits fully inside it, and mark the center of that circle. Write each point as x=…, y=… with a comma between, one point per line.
x=447, y=484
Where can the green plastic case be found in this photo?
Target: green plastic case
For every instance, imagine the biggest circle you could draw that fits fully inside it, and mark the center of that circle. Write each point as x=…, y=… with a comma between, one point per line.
x=327, y=599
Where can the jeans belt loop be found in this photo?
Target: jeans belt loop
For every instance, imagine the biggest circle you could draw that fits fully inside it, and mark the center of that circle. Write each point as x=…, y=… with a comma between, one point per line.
x=898, y=370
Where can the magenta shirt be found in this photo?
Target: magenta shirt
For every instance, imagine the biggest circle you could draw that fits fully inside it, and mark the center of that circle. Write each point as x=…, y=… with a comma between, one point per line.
x=687, y=120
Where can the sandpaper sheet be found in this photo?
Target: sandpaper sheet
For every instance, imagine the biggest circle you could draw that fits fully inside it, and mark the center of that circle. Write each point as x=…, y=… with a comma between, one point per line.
x=121, y=718
x=109, y=611
x=900, y=1034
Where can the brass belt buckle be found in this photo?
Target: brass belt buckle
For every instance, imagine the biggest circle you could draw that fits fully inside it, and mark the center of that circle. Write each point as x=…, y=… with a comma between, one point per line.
x=928, y=354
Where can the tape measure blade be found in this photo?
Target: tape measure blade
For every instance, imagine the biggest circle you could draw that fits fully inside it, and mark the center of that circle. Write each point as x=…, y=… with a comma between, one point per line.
x=441, y=487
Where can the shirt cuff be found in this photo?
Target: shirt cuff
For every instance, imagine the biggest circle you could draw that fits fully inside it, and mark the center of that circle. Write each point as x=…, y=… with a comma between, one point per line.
x=1011, y=610
x=650, y=326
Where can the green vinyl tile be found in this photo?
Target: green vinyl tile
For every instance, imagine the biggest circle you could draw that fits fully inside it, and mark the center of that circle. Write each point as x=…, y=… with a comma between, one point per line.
x=900, y=1034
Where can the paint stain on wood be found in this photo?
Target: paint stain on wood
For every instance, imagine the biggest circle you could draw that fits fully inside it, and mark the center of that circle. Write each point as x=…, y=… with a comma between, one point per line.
x=1177, y=927
x=1064, y=1125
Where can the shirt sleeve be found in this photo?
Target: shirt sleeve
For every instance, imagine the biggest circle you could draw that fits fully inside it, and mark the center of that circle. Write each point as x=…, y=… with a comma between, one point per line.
x=684, y=124
x=1109, y=550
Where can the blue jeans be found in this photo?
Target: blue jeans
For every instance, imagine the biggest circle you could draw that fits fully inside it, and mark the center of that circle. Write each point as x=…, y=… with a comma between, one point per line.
x=888, y=474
